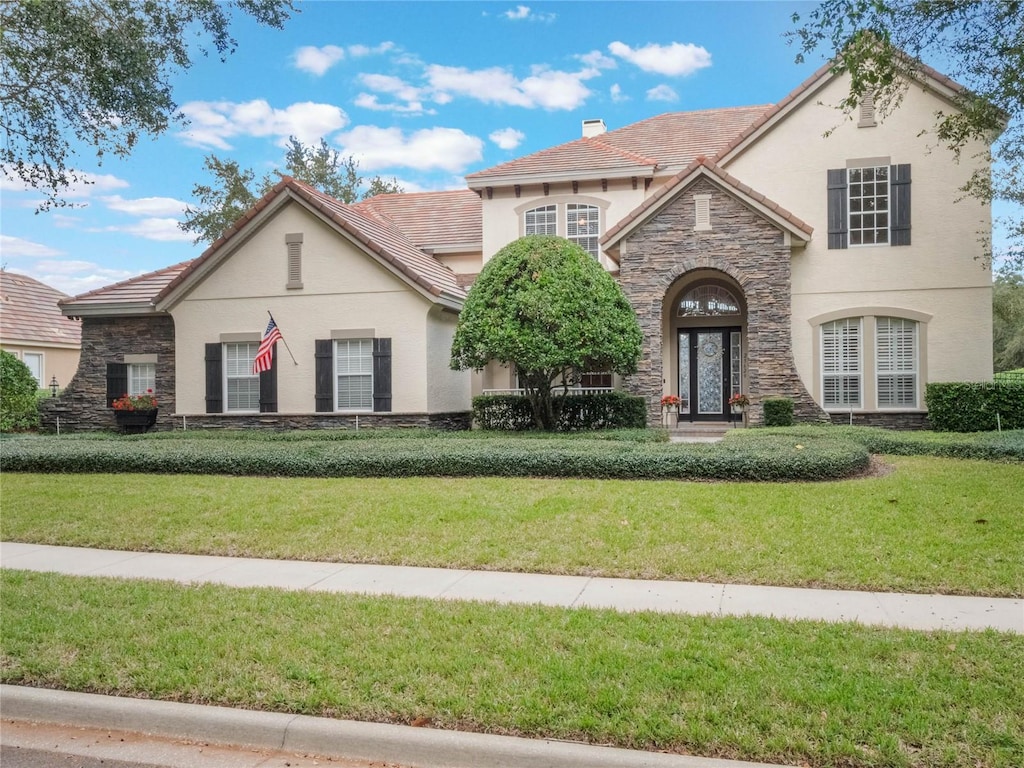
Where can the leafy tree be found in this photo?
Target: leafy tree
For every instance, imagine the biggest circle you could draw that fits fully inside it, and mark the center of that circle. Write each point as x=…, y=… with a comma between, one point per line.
x=235, y=190
x=98, y=73
x=1008, y=322
x=981, y=45
x=545, y=306
x=18, y=405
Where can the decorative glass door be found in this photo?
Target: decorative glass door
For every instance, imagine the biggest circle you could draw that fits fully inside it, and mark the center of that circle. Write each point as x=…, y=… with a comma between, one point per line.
x=710, y=361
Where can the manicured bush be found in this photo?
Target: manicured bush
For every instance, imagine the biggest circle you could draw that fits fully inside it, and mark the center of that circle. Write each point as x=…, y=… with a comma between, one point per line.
x=18, y=405
x=973, y=406
x=772, y=458
x=605, y=410
x=778, y=412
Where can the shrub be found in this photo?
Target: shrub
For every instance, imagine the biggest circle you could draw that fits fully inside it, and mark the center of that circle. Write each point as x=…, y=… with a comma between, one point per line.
x=778, y=412
x=18, y=405
x=605, y=410
x=973, y=406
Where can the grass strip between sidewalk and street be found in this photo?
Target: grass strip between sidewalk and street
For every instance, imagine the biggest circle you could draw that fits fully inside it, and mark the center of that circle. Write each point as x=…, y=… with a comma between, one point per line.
x=752, y=688
x=930, y=525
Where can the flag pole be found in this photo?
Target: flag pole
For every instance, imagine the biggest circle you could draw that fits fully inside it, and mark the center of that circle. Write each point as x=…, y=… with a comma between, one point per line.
x=283, y=340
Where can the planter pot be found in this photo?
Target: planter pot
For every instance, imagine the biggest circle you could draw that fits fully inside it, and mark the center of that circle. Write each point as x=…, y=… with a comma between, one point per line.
x=135, y=422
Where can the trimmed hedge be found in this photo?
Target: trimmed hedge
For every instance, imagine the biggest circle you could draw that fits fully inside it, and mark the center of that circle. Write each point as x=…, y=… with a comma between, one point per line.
x=605, y=410
x=778, y=412
x=771, y=458
x=973, y=406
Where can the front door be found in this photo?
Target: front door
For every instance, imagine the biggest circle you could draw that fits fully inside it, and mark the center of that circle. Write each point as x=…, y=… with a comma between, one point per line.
x=710, y=372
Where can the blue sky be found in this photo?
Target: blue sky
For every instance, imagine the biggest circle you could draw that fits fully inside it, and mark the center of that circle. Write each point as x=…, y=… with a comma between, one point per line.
x=422, y=91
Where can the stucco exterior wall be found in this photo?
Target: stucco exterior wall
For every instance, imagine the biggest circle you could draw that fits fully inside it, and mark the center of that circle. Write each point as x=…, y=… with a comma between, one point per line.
x=343, y=289
x=447, y=390
x=940, y=273
x=502, y=224
x=59, y=362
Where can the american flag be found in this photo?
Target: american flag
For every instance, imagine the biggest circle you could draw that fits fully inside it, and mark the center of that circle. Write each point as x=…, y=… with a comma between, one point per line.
x=265, y=354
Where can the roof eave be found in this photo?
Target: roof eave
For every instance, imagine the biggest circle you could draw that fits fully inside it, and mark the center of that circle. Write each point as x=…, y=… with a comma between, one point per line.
x=109, y=309
x=522, y=179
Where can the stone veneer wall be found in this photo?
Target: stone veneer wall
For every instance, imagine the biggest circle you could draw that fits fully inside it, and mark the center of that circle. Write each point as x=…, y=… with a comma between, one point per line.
x=889, y=420
x=82, y=406
x=742, y=245
x=443, y=421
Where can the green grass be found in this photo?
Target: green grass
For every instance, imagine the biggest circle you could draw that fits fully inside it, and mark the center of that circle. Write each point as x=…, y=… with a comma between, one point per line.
x=755, y=689
x=931, y=525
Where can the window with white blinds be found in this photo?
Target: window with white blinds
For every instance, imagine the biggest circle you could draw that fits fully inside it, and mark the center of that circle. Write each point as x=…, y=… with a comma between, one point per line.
x=541, y=221
x=242, y=386
x=896, y=362
x=841, y=363
x=141, y=378
x=353, y=369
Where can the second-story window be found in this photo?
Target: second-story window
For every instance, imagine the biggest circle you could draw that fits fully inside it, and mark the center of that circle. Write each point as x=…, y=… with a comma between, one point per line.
x=583, y=226
x=541, y=221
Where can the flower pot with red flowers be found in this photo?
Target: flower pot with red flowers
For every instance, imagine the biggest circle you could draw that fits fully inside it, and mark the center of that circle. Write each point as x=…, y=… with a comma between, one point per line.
x=135, y=414
x=740, y=402
x=669, y=410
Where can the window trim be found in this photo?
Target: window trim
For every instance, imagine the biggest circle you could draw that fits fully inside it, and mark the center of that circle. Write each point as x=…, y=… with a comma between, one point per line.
x=850, y=213
x=132, y=367
x=572, y=211
x=337, y=376
x=843, y=373
x=41, y=378
x=896, y=372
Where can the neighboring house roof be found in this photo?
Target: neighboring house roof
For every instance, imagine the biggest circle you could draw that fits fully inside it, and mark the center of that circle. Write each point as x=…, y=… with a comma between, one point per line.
x=29, y=313
x=771, y=210
x=671, y=140
x=437, y=221
x=137, y=295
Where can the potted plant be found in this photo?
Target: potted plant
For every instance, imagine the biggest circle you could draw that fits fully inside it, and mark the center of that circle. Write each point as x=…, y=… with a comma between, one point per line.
x=669, y=406
x=135, y=414
x=739, y=401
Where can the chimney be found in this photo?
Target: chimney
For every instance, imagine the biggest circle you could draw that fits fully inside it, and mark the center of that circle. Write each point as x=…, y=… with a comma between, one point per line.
x=592, y=128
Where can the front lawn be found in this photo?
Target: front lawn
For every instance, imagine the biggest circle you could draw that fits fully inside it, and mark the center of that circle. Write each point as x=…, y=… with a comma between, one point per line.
x=754, y=689
x=931, y=525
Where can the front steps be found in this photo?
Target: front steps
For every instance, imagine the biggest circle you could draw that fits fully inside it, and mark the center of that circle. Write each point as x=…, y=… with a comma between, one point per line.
x=701, y=431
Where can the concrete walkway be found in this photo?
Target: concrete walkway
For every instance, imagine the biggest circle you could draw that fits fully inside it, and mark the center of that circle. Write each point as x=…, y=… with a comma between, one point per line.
x=887, y=609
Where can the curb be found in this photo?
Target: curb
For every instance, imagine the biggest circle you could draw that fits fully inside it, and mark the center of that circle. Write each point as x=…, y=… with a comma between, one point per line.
x=422, y=747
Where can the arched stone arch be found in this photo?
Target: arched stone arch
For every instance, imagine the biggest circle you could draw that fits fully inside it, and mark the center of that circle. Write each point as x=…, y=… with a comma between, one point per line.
x=745, y=249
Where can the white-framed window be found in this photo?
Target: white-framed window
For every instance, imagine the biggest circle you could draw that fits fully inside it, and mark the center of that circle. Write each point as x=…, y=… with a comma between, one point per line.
x=34, y=361
x=896, y=367
x=869, y=205
x=141, y=378
x=353, y=372
x=241, y=385
x=583, y=226
x=541, y=221
x=841, y=363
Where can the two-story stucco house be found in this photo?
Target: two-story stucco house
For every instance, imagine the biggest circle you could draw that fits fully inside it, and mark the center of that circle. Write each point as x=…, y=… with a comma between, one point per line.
x=761, y=256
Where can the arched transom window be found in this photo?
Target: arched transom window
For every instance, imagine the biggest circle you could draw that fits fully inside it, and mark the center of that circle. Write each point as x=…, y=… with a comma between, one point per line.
x=708, y=301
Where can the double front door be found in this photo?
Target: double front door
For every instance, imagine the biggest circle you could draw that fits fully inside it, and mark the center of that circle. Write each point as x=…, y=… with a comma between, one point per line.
x=710, y=372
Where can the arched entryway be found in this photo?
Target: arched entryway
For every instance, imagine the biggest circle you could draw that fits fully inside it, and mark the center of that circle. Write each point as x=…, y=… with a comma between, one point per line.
x=705, y=327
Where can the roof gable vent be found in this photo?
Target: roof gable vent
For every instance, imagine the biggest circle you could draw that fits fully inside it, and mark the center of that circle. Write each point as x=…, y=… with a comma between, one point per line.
x=867, y=111
x=593, y=128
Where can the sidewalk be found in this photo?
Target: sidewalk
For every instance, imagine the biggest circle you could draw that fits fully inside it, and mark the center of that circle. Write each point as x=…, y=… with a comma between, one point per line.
x=887, y=609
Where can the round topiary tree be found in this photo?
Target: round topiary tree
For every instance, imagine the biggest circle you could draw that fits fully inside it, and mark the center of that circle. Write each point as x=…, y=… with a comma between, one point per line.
x=545, y=306
x=18, y=407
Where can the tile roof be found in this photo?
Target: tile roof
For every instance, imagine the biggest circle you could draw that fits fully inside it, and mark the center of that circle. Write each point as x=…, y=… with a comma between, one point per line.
x=670, y=140
x=431, y=219
x=29, y=312
x=376, y=234
x=141, y=290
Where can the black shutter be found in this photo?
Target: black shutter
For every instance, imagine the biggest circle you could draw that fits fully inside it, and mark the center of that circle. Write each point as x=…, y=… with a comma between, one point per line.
x=268, y=385
x=381, y=375
x=117, y=382
x=324, y=375
x=214, y=379
x=837, y=209
x=899, y=201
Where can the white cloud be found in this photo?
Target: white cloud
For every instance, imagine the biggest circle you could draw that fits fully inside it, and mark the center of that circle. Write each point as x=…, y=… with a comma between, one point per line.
x=12, y=247
x=598, y=60
x=524, y=12
x=676, y=59
x=411, y=95
x=357, y=51
x=507, y=138
x=212, y=123
x=87, y=184
x=162, y=229
x=662, y=93
x=370, y=101
x=616, y=93
x=146, y=206
x=519, y=12
x=447, y=149
x=549, y=89
x=317, y=61
x=75, y=277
